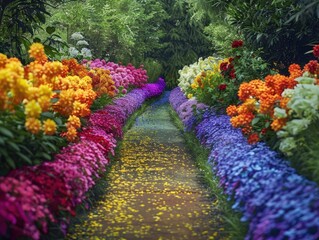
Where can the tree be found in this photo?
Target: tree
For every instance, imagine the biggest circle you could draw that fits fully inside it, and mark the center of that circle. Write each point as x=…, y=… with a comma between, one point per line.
x=184, y=40
x=18, y=21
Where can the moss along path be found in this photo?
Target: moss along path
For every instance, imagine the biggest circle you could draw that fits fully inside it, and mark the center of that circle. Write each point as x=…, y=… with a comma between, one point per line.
x=154, y=190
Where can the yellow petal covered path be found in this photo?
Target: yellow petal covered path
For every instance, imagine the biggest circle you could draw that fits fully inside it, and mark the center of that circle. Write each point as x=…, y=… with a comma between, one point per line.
x=154, y=189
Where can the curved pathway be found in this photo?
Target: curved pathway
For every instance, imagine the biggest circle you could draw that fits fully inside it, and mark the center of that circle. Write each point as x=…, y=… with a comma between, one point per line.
x=154, y=189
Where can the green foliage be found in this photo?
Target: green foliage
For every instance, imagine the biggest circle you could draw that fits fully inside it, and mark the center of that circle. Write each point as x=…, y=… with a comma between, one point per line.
x=184, y=41
x=265, y=24
x=19, y=147
x=19, y=19
x=154, y=69
x=101, y=102
x=121, y=31
x=221, y=35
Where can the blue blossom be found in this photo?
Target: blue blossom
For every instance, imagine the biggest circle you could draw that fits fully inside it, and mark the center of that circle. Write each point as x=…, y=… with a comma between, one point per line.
x=276, y=201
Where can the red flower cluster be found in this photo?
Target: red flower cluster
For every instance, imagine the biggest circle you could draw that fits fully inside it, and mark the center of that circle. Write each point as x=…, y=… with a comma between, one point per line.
x=227, y=69
x=316, y=51
x=237, y=43
x=222, y=87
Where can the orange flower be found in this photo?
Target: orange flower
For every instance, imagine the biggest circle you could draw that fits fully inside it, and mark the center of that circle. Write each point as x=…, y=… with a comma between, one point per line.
x=295, y=71
x=37, y=52
x=278, y=124
x=242, y=120
x=33, y=125
x=71, y=134
x=231, y=110
x=73, y=121
x=253, y=138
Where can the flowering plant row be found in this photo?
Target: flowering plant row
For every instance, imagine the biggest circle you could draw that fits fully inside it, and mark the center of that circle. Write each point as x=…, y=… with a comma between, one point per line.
x=46, y=100
x=276, y=201
x=123, y=76
x=33, y=196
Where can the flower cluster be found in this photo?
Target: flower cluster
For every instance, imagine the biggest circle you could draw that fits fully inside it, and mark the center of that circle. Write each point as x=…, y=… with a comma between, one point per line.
x=274, y=199
x=64, y=89
x=258, y=113
x=215, y=82
x=30, y=197
x=123, y=76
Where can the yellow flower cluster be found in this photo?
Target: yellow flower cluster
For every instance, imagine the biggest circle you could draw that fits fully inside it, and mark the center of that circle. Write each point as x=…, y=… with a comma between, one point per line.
x=45, y=86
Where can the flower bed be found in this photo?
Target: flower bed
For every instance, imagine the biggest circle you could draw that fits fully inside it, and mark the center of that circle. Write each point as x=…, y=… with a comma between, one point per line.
x=274, y=199
x=33, y=196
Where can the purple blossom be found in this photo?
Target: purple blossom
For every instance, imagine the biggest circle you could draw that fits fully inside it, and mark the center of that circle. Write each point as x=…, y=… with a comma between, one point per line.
x=276, y=201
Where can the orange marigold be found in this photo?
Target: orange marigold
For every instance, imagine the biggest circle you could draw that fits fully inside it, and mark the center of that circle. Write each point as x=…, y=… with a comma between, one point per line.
x=242, y=120
x=278, y=124
x=231, y=110
x=73, y=121
x=295, y=70
x=70, y=135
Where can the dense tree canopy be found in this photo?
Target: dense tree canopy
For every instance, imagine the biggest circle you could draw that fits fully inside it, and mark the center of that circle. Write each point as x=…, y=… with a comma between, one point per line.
x=165, y=34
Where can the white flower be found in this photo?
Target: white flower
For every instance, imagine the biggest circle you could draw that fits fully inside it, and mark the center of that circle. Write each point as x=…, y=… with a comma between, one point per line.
x=82, y=42
x=73, y=52
x=86, y=53
x=287, y=144
x=77, y=36
x=288, y=93
x=305, y=80
x=296, y=126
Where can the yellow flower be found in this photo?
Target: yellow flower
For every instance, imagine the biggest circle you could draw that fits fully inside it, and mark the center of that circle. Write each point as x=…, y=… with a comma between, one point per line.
x=194, y=85
x=33, y=125
x=49, y=127
x=71, y=134
x=20, y=90
x=3, y=60
x=74, y=121
x=37, y=52
x=45, y=103
x=190, y=95
x=32, y=109
x=45, y=90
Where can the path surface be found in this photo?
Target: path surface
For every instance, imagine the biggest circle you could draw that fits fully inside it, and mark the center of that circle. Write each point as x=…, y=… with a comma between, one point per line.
x=154, y=190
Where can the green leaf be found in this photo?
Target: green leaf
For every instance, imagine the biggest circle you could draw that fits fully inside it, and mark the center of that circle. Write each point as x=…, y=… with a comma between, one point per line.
x=50, y=30
x=24, y=157
x=46, y=156
x=47, y=114
x=255, y=121
x=52, y=146
x=6, y=132
x=36, y=40
x=54, y=100
x=14, y=146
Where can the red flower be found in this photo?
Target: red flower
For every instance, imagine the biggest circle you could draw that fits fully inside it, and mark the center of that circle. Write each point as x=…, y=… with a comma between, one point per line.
x=237, y=43
x=222, y=87
x=312, y=66
x=316, y=51
x=224, y=66
x=232, y=74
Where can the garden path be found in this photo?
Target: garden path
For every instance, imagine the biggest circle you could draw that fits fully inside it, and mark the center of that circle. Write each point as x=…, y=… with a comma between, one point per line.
x=154, y=189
